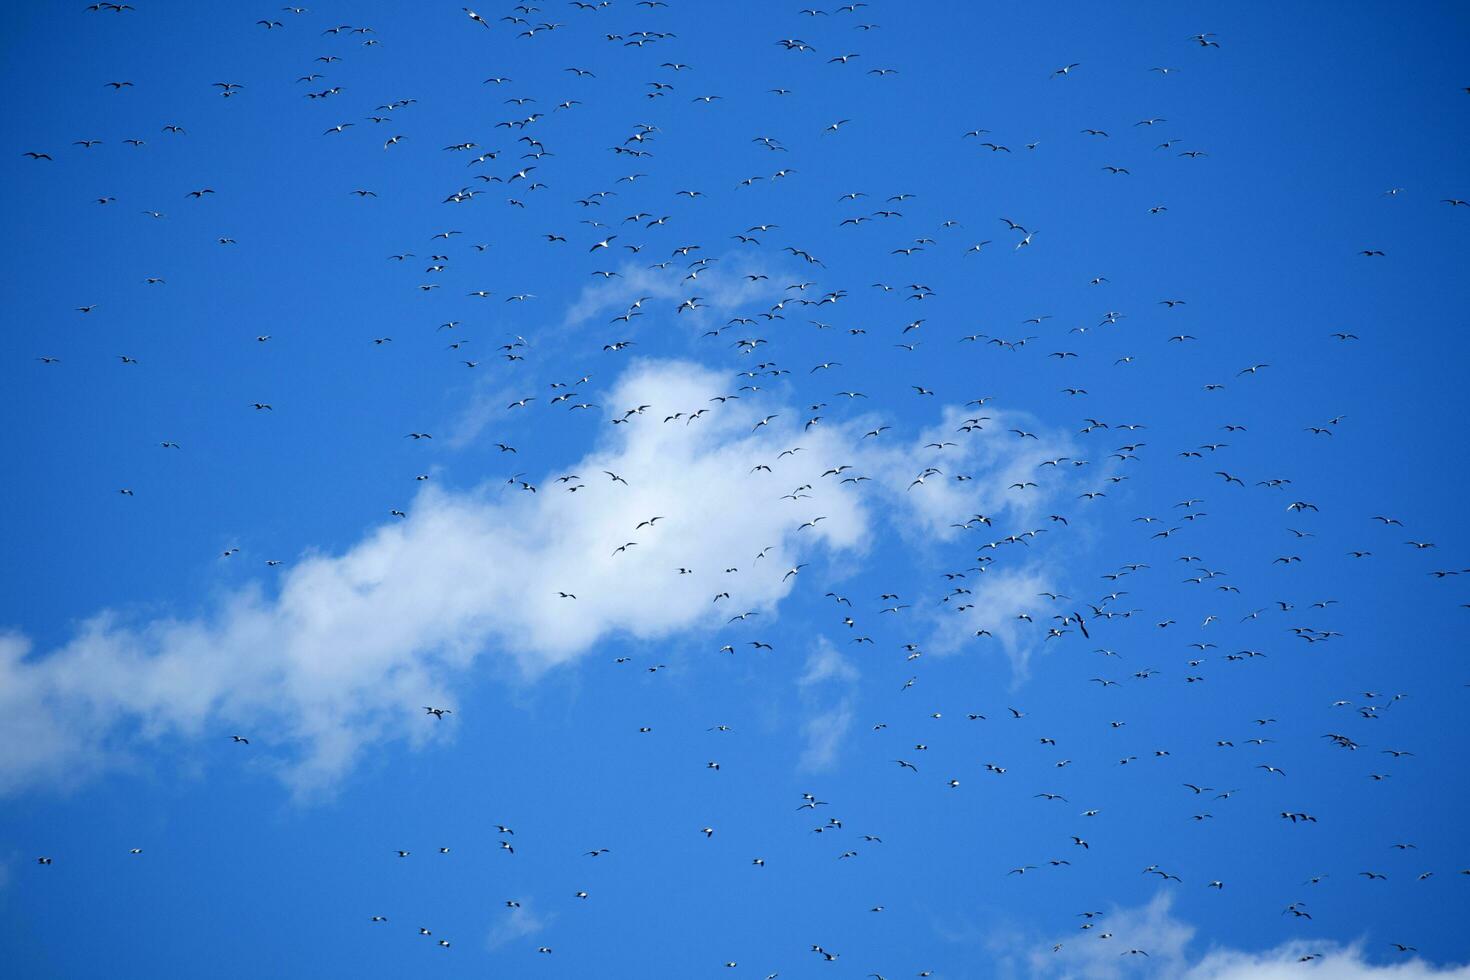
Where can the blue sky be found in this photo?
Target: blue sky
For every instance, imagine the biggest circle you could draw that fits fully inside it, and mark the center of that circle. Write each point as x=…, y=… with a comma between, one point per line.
x=256, y=580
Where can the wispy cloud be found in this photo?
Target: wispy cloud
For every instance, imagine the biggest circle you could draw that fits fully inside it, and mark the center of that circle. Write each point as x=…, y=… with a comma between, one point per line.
x=828, y=719
x=733, y=283
x=484, y=407
x=517, y=923
x=1017, y=483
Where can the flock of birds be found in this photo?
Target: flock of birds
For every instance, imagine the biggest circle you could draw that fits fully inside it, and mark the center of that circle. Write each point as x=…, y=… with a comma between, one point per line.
x=517, y=158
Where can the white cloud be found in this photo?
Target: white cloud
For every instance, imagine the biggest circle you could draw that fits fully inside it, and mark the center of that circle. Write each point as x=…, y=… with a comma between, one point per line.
x=1002, y=597
x=1338, y=963
x=347, y=649
x=1167, y=941
x=1150, y=928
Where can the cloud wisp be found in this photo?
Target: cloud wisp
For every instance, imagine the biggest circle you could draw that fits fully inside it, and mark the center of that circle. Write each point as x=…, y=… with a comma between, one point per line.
x=827, y=718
